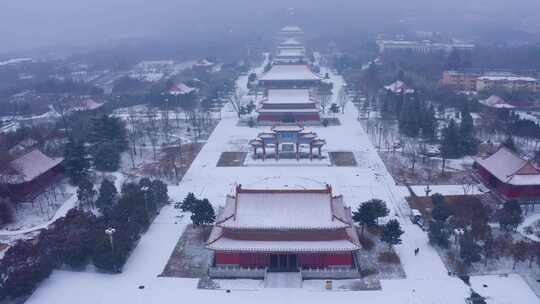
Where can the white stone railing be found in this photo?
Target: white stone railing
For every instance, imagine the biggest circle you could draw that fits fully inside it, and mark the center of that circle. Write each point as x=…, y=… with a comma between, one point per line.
x=330, y=273
x=228, y=271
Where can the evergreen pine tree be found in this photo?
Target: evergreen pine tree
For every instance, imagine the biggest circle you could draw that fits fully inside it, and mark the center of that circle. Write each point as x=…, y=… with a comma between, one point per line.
x=364, y=215
x=23, y=267
x=391, y=233
x=188, y=204
x=469, y=144
x=450, y=141
x=510, y=216
x=86, y=192
x=438, y=234
x=107, y=195
x=409, y=120
x=379, y=209
x=106, y=157
x=203, y=213
x=108, y=139
x=468, y=250
x=76, y=163
x=428, y=122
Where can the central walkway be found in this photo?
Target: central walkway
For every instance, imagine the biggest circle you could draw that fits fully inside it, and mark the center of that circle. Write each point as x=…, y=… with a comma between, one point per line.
x=427, y=280
x=283, y=280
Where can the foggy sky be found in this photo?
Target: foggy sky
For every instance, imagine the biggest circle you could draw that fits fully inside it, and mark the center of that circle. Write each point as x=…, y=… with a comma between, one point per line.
x=35, y=23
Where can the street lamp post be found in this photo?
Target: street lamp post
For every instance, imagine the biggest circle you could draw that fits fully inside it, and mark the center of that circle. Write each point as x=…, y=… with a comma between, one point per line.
x=145, y=190
x=380, y=135
x=110, y=233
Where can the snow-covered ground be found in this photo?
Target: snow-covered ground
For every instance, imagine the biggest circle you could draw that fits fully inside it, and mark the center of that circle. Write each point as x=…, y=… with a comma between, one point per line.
x=29, y=218
x=500, y=289
x=532, y=221
x=427, y=280
x=467, y=189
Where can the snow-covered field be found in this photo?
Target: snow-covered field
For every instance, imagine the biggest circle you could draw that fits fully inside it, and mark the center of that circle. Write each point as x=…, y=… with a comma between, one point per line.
x=532, y=222
x=427, y=280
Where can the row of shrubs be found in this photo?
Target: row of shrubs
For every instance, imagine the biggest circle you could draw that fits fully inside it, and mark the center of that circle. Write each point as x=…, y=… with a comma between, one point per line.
x=79, y=238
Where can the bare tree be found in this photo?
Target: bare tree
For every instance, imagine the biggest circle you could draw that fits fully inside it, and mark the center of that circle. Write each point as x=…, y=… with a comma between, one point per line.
x=467, y=183
x=132, y=134
x=343, y=98
x=152, y=129
x=412, y=151
x=236, y=99
x=164, y=115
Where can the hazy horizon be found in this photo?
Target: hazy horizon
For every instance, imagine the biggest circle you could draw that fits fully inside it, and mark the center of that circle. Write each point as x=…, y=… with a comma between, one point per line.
x=66, y=23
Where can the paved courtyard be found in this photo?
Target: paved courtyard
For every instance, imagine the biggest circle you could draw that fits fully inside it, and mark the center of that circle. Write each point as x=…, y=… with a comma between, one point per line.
x=426, y=279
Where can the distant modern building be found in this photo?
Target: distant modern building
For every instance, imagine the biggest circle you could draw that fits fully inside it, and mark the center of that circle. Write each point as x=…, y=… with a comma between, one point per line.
x=511, y=176
x=460, y=80
x=290, y=76
x=509, y=83
x=288, y=105
x=425, y=46
x=309, y=231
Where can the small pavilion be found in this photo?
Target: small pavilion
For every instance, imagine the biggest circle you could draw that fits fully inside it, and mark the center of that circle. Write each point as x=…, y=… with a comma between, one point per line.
x=287, y=139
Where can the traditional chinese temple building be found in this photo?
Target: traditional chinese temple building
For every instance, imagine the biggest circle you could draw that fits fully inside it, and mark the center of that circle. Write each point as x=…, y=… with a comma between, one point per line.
x=290, y=76
x=510, y=176
x=291, y=31
x=288, y=140
x=286, y=230
x=288, y=105
x=26, y=176
x=290, y=51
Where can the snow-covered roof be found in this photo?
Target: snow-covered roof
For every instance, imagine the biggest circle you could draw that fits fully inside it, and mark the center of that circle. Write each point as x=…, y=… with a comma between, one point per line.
x=495, y=101
x=33, y=164
x=399, y=87
x=227, y=244
x=287, y=96
x=508, y=78
x=290, y=72
x=86, y=104
x=204, y=62
x=291, y=28
x=290, y=52
x=291, y=41
x=310, y=110
x=287, y=128
x=15, y=61
x=290, y=209
x=181, y=89
x=511, y=169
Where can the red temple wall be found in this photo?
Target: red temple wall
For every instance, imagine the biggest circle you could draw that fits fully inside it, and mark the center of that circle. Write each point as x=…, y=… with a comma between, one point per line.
x=508, y=191
x=297, y=117
x=263, y=259
x=35, y=186
x=324, y=260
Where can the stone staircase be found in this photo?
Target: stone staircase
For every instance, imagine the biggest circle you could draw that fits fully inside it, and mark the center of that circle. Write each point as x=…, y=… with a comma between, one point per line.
x=283, y=280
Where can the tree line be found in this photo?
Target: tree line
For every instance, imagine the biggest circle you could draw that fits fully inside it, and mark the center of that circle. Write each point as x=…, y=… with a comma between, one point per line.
x=466, y=227
x=80, y=237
